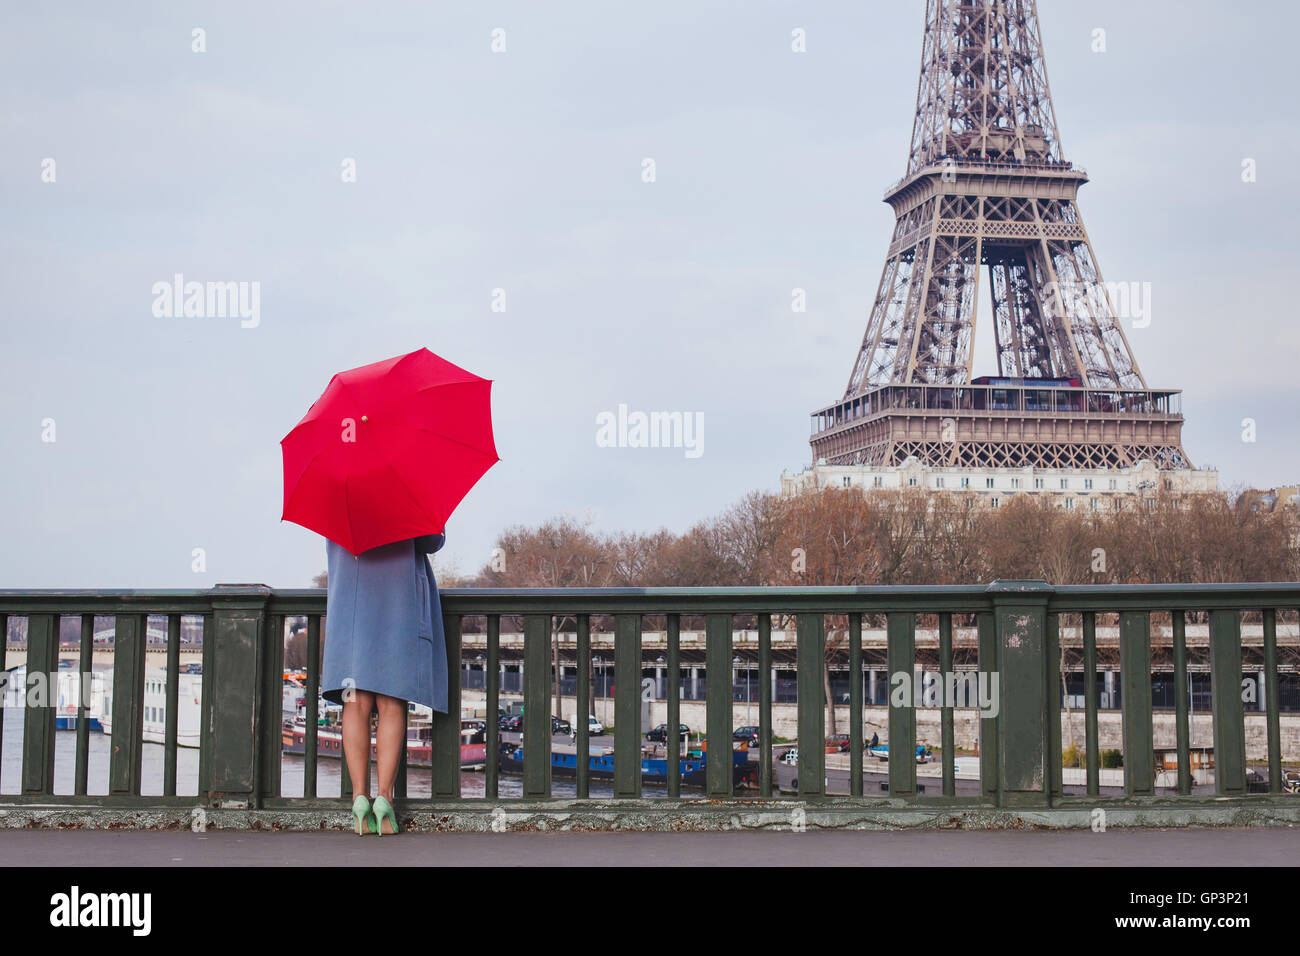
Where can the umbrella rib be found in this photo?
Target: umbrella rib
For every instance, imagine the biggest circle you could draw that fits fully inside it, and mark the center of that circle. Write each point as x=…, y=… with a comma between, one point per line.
x=348, y=388
x=414, y=496
x=392, y=399
x=298, y=483
x=447, y=438
x=347, y=511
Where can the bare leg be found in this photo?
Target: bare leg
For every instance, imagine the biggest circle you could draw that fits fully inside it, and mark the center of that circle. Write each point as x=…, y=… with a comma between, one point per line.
x=356, y=739
x=391, y=738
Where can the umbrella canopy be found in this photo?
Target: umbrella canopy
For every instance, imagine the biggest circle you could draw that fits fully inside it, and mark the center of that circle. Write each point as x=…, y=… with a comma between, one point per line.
x=388, y=451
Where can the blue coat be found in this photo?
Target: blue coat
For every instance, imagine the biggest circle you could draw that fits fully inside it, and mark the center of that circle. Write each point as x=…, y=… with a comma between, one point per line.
x=383, y=623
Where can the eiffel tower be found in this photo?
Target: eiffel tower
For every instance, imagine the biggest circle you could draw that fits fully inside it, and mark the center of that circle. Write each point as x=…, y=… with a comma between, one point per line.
x=987, y=184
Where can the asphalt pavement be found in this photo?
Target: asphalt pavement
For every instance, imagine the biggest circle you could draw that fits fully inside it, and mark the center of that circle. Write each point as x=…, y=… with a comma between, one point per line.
x=1262, y=846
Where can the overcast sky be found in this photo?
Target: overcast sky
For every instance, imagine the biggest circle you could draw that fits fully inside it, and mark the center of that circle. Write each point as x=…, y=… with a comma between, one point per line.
x=522, y=170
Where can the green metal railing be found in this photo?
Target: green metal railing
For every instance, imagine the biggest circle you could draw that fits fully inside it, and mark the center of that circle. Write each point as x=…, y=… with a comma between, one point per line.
x=1017, y=622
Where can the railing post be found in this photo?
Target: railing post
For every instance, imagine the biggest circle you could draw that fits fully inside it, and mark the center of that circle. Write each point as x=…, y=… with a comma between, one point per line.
x=235, y=733
x=765, y=705
x=492, y=766
x=1052, y=642
x=1272, y=716
x=1093, y=755
x=988, y=739
x=1182, y=693
x=1135, y=694
x=673, y=741
x=582, y=711
x=130, y=641
x=38, y=719
x=5, y=689
x=718, y=705
x=537, y=710
x=627, y=706
x=270, y=734
x=810, y=636
x=900, y=636
x=1229, y=714
x=946, y=735
x=1023, y=692
x=444, y=779
x=855, y=706
x=311, y=737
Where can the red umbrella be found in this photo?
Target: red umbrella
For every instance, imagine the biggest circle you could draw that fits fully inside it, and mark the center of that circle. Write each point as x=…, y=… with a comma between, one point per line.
x=388, y=451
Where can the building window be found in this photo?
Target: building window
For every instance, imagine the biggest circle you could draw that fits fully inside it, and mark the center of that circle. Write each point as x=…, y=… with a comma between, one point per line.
x=1015, y=482
x=1065, y=483
x=911, y=482
x=1114, y=484
x=1038, y=482
x=1069, y=503
x=1087, y=484
x=847, y=481
x=994, y=502
x=965, y=482
x=1094, y=503
x=878, y=482
x=938, y=482
x=988, y=482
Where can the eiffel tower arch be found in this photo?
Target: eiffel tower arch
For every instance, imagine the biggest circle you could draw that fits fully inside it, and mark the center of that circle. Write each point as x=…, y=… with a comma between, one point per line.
x=989, y=198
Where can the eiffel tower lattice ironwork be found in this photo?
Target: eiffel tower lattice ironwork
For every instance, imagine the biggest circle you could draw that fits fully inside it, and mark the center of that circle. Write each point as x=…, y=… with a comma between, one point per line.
x=987, y=185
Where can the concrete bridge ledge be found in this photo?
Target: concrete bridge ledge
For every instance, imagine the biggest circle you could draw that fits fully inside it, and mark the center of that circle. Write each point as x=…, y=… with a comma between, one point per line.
x=715, y=816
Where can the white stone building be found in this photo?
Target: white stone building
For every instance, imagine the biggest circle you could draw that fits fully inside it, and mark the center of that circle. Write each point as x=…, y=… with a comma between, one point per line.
x=1103, y=489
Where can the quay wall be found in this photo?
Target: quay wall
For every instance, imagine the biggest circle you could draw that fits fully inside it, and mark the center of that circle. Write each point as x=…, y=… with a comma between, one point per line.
x=785, y=723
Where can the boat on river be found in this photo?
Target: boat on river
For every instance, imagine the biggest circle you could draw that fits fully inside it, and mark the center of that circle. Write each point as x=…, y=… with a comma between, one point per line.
x=692, y=766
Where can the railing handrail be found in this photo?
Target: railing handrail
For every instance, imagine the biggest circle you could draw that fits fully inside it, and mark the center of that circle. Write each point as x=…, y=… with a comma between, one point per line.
x=749, y=599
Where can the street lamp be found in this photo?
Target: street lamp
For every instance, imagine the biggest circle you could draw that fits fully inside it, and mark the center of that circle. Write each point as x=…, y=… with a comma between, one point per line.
x=661, y=661
x=748, y=715
x=599, y=663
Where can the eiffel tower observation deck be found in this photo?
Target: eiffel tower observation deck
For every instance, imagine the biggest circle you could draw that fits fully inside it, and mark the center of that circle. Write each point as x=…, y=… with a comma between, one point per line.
x=989, y=192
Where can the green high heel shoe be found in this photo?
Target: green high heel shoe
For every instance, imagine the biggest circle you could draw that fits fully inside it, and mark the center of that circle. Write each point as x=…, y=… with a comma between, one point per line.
x=366, y=822
x=384, y=809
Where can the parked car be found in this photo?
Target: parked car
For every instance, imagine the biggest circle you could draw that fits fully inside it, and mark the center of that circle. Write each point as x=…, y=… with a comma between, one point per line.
x=514, y=723
x=747, y=734
x=837, y=743
x=559, y=726
x=661, y=732
x=594, y=726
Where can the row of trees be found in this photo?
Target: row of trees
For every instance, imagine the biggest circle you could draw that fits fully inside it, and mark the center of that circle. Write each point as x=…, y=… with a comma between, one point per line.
x=911, y=536
x=843, y=536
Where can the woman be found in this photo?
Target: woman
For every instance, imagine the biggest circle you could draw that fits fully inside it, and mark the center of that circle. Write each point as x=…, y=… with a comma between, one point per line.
x=384, y=648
